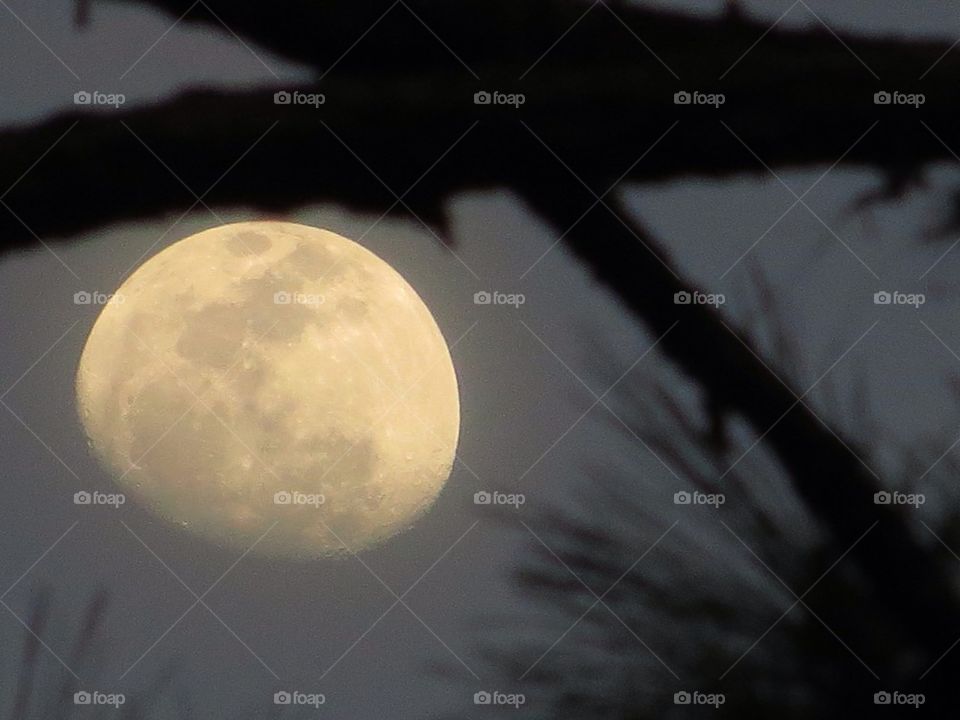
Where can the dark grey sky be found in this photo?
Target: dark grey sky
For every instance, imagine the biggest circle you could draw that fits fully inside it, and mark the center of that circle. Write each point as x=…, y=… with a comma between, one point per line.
x=517, y=397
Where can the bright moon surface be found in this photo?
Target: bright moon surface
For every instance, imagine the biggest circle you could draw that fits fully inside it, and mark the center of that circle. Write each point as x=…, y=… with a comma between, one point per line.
x=272, y=384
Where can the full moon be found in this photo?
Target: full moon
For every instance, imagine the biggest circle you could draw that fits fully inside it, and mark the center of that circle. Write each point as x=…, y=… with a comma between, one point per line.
x=272, y=386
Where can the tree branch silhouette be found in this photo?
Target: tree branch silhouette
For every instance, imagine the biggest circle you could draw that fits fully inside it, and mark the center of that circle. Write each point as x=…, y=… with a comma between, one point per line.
x=825, y=469
x=803, y=95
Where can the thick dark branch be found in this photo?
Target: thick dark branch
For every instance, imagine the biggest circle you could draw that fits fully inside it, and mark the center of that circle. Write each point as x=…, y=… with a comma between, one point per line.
x=399, y=98
x=100, y=173
x=499, y=39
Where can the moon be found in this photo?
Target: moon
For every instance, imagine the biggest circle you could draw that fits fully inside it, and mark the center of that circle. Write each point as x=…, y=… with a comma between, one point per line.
x=274, y=387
